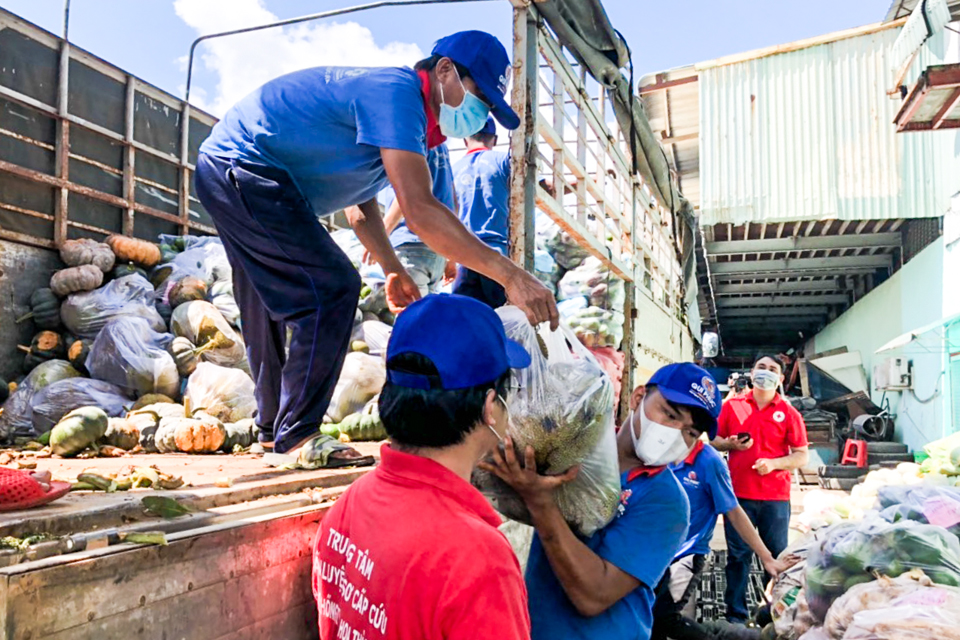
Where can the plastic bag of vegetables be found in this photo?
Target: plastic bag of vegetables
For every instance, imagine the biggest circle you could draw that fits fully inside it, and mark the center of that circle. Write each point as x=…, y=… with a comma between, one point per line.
x=593, y=281
x=134, y=357
x=60, y=398
x=855, y=554
x=226, y=394
x=881, y=594
x=917, y=616
x=546, y=270
x=204, y=258
x=85, y=314
x=16, y=420
x=563, y=407
x=361, y=378
x=596, y=327
x=926, y=504
x=202, y=324
x=563, y=248
x=374, y=334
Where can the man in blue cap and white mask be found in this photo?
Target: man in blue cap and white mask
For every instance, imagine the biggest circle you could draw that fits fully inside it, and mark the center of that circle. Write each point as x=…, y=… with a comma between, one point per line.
x=316, y=141
x=602, y=587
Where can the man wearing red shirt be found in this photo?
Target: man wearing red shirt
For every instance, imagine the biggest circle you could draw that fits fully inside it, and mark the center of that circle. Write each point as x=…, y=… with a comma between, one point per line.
x=767, y=440
x=412, y=551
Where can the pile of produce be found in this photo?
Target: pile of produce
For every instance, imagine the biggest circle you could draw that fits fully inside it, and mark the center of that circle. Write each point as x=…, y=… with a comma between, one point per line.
x=562, y=406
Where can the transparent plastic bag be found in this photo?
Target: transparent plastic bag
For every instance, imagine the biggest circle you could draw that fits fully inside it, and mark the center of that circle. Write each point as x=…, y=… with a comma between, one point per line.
x=883, y=593
x=375, y=335
x=16, y=420
x=221, y=296
x=593, y=281
x=908, y=618
x=855, y=554
x=204, y=258
x=546, y=270
x=562, y=406
x=926, y=504
x=563, y=248
x=131, y=355
x=226, y=394
x=85, y=314
x=597, y=327
x=361, y=378
x=53, y=402
x=200, y=322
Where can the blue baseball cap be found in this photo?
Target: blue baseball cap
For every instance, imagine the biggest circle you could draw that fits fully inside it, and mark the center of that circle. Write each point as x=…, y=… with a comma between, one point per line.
x=687, y=384
x=489, y=66
x=463, y=337
x=490, y=128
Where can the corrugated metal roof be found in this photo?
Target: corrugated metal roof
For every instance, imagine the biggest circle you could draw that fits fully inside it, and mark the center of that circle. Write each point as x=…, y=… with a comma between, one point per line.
x=902, y=8
x=920, y=25
x=808, y=135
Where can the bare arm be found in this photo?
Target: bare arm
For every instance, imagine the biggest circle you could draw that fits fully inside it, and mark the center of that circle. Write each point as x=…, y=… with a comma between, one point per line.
x=393, y=217
x=731, y=444
x=443, y=232
x=368, y=224
x=592, y=584
x=798, y=458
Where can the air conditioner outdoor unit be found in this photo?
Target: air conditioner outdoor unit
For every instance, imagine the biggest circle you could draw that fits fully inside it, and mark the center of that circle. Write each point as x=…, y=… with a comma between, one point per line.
x=893, y=374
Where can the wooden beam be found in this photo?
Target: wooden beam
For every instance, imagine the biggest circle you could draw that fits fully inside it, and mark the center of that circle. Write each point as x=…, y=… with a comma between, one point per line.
x=667, y=84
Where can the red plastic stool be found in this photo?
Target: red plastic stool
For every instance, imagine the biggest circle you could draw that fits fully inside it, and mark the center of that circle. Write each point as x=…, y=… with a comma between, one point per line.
x=855, y=452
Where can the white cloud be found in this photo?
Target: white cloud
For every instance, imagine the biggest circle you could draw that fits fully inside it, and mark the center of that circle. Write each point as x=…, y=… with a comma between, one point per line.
x=244, y=62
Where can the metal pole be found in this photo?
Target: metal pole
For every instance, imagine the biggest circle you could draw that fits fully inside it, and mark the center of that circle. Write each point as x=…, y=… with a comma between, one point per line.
x=62, y=145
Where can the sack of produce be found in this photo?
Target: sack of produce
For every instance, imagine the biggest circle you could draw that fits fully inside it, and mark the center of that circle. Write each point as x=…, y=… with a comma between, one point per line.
x=785, y=595
x=226, y=394
x=882, y=593
x=922, y=615
x=202, y=324
x=854, y=554
x=16, y=419
x=596, y=327
x=85, y=314
x=204, y=258
x=564, y=249
x=361, y=378
x=133, y=356
x=546, y=270
x=562, y=406
x=375, y=335
x=595, y=282
x=221, y=296
x=60, y=398
x=926, y=504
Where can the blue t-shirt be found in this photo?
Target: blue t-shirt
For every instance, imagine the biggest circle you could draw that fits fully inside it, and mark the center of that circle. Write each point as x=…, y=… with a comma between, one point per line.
x=707, y=482
x=325, y=126
x=438, y=160
x=482, y=180
x=650, y=525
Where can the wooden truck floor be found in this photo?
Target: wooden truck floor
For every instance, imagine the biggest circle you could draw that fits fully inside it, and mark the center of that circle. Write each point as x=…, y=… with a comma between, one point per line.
x=237, y=567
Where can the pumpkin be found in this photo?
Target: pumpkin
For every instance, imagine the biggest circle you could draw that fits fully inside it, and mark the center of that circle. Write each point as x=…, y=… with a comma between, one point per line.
x=76, y=279
x=146, y=421
x=31, y=361
x=122, y=433
x=187, y=289
x=165, y=311
x=86, y=251
x=125, y=269
x=150, y=398
x=241, y=433
x=200, y=434
x=161, y=410
x=78, y=430
x=158, y=276
x=164, y=438
x=44, y=309
x=134, y=250
x=362, y=426
x=48, y=345
x=78, y=352
x=184, y=354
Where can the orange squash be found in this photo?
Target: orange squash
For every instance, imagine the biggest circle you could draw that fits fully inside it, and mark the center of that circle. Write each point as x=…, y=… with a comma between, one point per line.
x=140, y=252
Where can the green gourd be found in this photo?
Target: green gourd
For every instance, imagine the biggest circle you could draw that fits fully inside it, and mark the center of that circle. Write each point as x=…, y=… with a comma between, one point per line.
x=44, y=309
x=184, y=355
x=78, y=352
x=241, y=433
x=122, y=433
x=78, y=430
x=125, y=269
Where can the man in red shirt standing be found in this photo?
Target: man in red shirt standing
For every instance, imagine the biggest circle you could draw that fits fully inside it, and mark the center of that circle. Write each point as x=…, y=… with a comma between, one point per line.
x=412, y=551
x=767, y=440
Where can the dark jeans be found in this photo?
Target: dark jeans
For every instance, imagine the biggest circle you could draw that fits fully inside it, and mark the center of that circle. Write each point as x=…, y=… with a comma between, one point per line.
x=668, y=619
x=287, y=272
x=472, y=284
x=772, y=520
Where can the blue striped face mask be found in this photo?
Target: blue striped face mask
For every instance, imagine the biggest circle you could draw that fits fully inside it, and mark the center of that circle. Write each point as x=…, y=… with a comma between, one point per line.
x=465, y=119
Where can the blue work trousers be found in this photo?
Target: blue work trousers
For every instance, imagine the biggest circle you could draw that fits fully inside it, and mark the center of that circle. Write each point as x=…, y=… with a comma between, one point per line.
x=772, y=520
x=479, y=287
x=287, y=273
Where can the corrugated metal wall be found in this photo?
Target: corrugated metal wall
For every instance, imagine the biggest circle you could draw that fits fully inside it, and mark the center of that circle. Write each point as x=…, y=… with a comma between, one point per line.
x=809, y=135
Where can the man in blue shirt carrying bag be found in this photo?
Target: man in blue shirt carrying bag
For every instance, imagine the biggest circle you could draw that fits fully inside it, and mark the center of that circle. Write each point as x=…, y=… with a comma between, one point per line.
x=602, y=587
x=316, y=141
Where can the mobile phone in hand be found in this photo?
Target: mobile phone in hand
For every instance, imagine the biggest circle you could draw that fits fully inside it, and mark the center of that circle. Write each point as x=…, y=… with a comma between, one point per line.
x=743, y=436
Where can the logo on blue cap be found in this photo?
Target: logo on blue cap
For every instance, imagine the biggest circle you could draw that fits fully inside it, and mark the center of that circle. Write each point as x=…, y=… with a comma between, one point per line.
x=688, y=384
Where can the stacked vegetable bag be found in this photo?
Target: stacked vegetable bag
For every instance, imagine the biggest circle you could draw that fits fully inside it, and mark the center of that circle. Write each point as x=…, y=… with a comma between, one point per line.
x=129, y=329
x=562, y=406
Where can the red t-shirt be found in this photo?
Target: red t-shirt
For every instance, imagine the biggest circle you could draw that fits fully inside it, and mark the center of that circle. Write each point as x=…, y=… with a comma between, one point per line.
x=774, y=430
x=412, y=551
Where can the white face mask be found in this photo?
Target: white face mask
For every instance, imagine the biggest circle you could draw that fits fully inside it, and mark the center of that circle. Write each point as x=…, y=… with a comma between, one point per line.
x=765, y=380
x=657, y=444
x=507, y=412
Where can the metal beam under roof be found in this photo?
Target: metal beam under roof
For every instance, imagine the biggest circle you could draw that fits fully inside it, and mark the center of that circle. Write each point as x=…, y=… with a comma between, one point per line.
x=773, y=301
x=775, y=287
x=762, y=312
x=802, y=265
x=804, y=243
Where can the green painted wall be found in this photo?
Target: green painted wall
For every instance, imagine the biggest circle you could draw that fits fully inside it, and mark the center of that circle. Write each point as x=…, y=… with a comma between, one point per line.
x=913, y=297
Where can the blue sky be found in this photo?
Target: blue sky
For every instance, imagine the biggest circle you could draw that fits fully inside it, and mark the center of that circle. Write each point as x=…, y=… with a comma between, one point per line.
x=149, y=38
